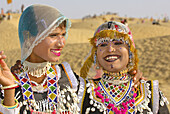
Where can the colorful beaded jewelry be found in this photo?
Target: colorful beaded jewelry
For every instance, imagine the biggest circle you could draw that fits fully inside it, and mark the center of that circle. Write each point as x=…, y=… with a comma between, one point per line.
x=116, y=78
x=117, y=98
x=113, y=97
x=26, y=87
x=52, y=80
x=119, y=74
x=10, y=107
x=10, y=87
x=27, y=91
x=36, y=70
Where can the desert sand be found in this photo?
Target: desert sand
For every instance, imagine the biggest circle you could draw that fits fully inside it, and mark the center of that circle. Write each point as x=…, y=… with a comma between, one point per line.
x=152, y=42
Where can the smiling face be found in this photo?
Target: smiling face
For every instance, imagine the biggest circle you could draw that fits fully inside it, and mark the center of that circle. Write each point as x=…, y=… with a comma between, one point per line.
x=113, y=56
x=49, y=49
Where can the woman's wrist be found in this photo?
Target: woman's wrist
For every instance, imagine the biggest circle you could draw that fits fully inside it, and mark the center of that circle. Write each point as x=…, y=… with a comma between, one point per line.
x=9, y=97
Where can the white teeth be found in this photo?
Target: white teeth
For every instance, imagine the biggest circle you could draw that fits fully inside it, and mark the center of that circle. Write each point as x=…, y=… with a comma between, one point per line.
x=111, y=57
x=56, y=51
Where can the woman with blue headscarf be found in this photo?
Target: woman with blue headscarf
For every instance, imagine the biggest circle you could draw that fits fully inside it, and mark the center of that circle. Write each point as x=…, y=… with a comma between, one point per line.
x=42, y=86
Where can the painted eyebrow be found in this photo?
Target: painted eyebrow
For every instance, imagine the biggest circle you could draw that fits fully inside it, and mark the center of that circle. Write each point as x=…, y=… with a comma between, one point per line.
x=53, y=34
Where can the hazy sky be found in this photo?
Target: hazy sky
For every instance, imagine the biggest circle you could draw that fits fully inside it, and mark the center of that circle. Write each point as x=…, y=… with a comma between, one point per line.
x=80, y=8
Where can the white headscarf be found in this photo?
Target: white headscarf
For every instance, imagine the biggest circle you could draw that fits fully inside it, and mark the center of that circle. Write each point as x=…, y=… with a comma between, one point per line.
x=36, y=23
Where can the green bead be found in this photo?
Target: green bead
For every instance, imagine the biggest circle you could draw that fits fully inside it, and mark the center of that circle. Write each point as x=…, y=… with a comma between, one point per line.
x=111, y=87
x=52, y=88
x=26, y=86
x=50, y=69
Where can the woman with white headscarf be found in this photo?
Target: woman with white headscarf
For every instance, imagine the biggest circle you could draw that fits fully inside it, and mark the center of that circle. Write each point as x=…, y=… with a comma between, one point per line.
x=42, y=86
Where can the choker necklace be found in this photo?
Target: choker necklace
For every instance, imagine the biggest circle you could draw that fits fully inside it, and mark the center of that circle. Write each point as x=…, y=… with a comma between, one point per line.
x=36, y=69
x=116, y=78
x=119, y=74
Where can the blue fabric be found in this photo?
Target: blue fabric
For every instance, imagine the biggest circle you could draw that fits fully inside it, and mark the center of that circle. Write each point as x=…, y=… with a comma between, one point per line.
x=27, y=24
x=36, y=22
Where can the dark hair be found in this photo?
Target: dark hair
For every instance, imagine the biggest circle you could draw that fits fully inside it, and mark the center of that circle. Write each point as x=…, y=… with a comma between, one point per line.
x=63, y=24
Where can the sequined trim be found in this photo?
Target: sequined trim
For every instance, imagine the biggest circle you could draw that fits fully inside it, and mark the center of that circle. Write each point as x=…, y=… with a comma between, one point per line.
x=142, y=94
x=143, y=104
x=84, y=93
x=70, y=75
x=155, y=96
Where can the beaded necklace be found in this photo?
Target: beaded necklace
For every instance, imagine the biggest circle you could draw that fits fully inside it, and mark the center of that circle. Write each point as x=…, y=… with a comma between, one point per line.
x=36, y=69
x=117, y=98
x=116, y=78
x=27, y=91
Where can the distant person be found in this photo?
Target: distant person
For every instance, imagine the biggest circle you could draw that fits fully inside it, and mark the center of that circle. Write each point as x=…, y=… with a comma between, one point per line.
x=2, y=11
x=22, y=8
x=165, y=19
x=155, y=22
x=9, y=16
x=2, y=14
x=143, y=21
x=151, y=19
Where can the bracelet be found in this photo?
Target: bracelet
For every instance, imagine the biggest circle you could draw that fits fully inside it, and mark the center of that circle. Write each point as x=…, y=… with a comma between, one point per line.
x=10, y=107
x=10, y=87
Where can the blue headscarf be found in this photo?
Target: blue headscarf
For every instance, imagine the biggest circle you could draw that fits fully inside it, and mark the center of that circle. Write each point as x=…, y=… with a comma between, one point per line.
x=36, y=23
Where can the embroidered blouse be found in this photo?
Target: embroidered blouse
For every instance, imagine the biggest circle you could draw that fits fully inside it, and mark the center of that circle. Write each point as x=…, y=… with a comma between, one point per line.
x=57, y=93
x=63, y=91
x=149, y=98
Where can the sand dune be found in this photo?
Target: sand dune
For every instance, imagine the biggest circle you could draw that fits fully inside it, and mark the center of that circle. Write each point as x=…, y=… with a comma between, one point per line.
x=152, y=42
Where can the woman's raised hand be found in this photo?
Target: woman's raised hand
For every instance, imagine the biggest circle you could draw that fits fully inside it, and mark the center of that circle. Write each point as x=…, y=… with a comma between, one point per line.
x=6, y=77
x=138, y=75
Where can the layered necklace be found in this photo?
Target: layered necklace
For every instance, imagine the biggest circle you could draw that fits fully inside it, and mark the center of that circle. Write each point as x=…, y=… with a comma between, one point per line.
x=58, y=101
x=116, y=93
x=37, y=70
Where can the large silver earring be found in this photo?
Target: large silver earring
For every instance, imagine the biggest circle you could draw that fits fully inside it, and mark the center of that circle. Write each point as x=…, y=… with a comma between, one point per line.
x=95, y=62
x=95, y=58
x=97, y=67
